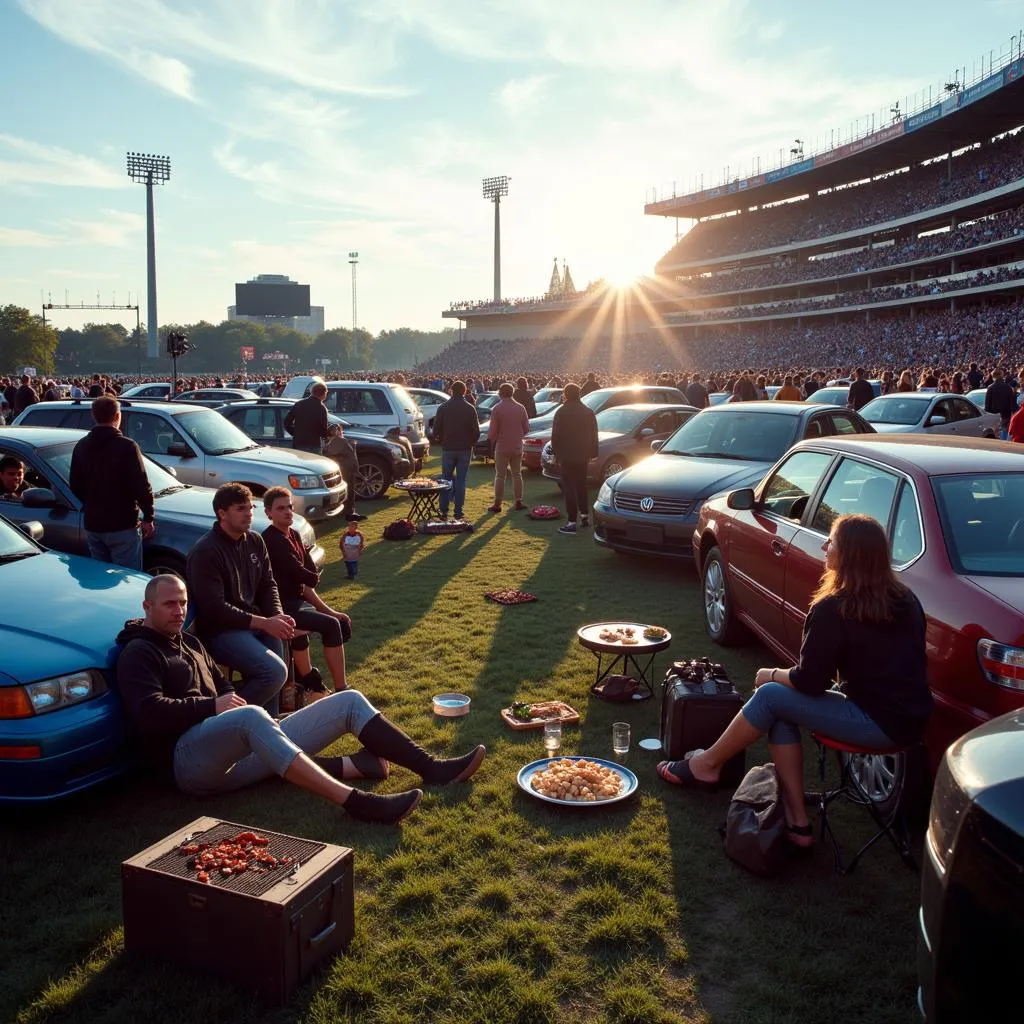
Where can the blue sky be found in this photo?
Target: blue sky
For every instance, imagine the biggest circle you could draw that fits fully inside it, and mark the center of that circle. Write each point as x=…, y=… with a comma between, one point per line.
x=302, y=129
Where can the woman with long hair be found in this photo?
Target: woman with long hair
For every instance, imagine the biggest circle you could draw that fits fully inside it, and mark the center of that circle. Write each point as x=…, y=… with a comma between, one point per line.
x=906, y=382
x=956, y=384
x=863, y=626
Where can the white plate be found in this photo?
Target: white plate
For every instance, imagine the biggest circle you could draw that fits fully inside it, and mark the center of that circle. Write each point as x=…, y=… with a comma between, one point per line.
x=526, y=773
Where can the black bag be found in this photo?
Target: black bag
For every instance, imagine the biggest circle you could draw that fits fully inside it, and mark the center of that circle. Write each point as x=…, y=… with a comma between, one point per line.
x=400, y=529
x=697, y=703
x=754, y=833
x=618, y=689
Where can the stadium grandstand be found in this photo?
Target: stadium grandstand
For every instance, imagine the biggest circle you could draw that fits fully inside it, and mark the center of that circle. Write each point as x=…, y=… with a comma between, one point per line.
x=901, y=247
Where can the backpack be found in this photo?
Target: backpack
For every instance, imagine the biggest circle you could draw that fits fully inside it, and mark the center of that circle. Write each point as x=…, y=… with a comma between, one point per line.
x=754, y=833
x=400, y=529
x=618, y=689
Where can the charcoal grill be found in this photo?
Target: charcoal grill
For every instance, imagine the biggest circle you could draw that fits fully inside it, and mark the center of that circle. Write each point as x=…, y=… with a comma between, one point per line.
x=266, y=930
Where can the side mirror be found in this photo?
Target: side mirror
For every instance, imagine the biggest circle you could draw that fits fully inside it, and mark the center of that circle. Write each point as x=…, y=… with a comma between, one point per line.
x=647, y=432
x=181, y=450
x=656, y=445
x=170, y=469
x=741, y=500
x=39, y=497
x=935, y=421
x=33, y=528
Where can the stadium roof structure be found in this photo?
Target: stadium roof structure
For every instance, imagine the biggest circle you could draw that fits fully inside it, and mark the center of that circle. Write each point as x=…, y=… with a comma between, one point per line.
x=987, y=108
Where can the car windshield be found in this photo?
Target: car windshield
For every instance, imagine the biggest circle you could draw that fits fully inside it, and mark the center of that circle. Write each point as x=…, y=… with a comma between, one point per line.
x=13, y=543
x=486, y=401
x=829, y=396
x=213, y=433
x=403, y=398
x=730, y=432
x=620, y=420
x=58, y=458
x=897, y=409
x=983, y=522
x=548, y=395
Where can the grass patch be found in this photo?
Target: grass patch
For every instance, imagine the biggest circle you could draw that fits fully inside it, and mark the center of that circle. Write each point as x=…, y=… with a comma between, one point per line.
x=486, y=906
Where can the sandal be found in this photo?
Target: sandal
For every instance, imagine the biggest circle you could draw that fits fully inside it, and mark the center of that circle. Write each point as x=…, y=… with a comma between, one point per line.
x=679, y=773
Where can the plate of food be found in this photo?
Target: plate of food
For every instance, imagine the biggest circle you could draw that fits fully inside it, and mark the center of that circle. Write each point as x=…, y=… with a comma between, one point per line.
x=577, y=781
x=655, y=633
x=523, y=715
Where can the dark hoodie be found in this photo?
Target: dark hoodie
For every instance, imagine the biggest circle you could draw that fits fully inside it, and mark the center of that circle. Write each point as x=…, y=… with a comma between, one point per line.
x=167, y=683
x=882, y=665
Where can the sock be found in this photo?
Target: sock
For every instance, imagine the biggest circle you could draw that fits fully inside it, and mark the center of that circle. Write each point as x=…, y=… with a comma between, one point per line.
x=386, y=740
x=388, y=810
x=368, y=765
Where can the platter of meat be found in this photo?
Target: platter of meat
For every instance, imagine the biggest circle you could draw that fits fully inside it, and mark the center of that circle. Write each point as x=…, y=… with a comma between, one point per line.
x=245, y=852
x=521, y=716
x=508, y=595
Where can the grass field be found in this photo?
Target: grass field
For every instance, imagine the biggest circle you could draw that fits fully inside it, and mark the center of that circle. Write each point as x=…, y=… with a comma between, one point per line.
x=485, y=905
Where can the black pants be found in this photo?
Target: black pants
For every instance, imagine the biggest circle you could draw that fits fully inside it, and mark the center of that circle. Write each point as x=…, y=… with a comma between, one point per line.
x=574, y=487
x=332, y=631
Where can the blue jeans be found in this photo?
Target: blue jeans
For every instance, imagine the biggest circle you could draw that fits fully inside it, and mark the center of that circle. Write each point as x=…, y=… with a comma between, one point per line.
x=122, y=547
x=778, y=710
x=454, y=467
x=245, y=745
x=260, y=659
x=352, y=568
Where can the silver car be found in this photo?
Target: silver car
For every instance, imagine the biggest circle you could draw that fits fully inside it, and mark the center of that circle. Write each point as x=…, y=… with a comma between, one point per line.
x=206, y=450
x=916, y=412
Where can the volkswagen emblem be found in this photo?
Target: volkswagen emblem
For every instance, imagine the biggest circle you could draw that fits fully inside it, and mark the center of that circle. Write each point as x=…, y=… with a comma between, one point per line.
x=646, y=504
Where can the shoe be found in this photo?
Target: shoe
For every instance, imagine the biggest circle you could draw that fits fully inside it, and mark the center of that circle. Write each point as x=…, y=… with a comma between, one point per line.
x=356, y=517
x=520, y=506
x=584, y=523
x=679, y=773
x=494, y=508
x=312, y=682
x=388, y=810
x=569, y=528
x=458, y=514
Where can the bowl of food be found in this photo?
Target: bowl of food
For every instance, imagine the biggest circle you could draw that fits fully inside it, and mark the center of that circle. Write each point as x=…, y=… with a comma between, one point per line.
x=655, y=633
x=451, y=705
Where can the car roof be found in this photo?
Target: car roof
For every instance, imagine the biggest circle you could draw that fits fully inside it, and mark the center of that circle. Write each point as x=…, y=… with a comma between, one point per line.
x=365, y=383
x=935, y=456
x=651, y=406
x=41, y=437
x=126, y=403
x=770, y=405
x=636, y=387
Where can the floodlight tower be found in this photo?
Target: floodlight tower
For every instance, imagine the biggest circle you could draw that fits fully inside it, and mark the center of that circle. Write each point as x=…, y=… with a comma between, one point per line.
x=494, y=189
x=145, y=168
x=353, y=259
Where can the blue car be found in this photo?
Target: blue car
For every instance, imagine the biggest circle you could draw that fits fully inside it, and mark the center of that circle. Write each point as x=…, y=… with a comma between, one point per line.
x=62, y=728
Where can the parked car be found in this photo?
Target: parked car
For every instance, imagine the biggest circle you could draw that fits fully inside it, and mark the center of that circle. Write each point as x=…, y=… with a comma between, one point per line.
x=183, y=513
x=485, y=403
x=977, y=396
x=152, y=390
x=61, y=725
x=428, y=401
x=213, y=397
x=652, y=507
x=625, y=435
x=205, y=449
x=382, y=461
x=954, y=512
x=971, y=923
x=914, y=412
x=547, y=400
x=830, y=396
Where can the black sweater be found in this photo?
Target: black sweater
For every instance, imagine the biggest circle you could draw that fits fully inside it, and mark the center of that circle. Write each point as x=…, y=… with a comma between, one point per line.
x=109, y=478
x=307, y=422
x=574, y=433
x=882, y=665
x=290, y=574
x=456, y=425
x=230, y=581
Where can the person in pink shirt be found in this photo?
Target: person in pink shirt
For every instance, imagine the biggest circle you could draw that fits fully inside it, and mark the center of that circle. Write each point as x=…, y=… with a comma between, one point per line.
x=509, y=425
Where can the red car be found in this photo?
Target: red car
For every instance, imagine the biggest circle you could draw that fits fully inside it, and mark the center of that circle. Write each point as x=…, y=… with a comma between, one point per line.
x=954, y=511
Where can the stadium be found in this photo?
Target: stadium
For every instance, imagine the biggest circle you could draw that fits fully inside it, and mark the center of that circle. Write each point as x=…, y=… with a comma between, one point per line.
x=902, y=247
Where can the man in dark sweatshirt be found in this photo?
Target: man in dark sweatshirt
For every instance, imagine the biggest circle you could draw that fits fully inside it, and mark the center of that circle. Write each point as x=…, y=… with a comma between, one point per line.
x=108, y=476
x=456, y=430
x=307, y=420
x=574, y=444
x=192, y=721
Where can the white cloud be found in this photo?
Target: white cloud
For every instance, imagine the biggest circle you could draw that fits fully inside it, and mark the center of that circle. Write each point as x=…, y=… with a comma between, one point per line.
x=116, y=229
x=25, y=237
x=34, y=163
x=519, y=95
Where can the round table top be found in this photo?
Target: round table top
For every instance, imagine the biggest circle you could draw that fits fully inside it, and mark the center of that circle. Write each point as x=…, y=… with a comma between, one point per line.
x=424, y=486
x=590, y=637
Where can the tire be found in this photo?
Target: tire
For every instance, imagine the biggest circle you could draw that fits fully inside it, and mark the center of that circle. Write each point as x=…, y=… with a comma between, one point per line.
x=372, y=480
x=615, y=464
x=719, y=621
x=892, y=780
x=158, y=562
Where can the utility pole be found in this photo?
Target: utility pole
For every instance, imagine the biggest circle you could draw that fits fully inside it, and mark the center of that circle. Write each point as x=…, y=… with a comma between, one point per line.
x=145, y=169
x=494, y=189
x=353, y=259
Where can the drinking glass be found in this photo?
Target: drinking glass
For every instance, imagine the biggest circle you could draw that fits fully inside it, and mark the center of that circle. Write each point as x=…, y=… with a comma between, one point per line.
x=620, y=737
x=552, y=736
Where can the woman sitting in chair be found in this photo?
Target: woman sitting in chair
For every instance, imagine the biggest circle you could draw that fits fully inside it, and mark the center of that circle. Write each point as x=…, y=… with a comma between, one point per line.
x=864, y=626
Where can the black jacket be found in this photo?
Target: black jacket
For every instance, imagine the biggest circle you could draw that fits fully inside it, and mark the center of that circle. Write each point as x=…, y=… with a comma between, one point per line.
x=456, y=425
x=109, y=478
x=307, y=422
x=1000, y=398
x=697, y=394
x=290, y=574
x=167, y=684
x=860, y=393
x=574, y=433
x=882, y=665
x=24, y=397
x=525, y=399
x=230, y=581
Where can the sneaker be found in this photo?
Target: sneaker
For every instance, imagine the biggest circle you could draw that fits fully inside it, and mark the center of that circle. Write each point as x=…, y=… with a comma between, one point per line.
x=568, y=528
x=520, y=506
x=458, y=514
x=584, y=523
x=356, y=517
x=494, y=508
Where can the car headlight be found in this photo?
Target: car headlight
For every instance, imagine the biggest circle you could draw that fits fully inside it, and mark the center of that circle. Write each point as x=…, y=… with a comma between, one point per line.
x=306, y=534
x=304, y=482
x=60, y=691
x=396, y=451
x=949, y=808
x=604, y=495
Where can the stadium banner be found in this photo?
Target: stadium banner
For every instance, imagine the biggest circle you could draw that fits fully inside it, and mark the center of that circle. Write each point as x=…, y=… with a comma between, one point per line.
x=1014, y=71
x=950, y=104
x=983, y=88
x=788, y=172
x=925, y=117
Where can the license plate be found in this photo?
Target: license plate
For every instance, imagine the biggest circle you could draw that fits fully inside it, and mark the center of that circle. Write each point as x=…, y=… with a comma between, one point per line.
x=645, y=534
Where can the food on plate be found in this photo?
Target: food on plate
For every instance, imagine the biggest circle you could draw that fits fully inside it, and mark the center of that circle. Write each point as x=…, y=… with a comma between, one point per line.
x=619, y=635
x=655, y=633
x=418, y=481
x=521, y=711
x=540, y=711
x=245, y=852
x=580, y=780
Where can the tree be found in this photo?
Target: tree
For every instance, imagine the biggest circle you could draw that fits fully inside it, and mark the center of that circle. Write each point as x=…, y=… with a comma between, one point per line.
x=403, y=348
x=26, y=341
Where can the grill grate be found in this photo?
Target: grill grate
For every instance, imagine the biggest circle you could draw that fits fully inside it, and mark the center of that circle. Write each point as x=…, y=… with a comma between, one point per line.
x=250, y=882
x=627, y=502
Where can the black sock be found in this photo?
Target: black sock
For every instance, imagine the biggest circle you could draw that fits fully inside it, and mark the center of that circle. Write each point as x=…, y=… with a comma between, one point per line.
x=449, y=769
x=384, y=809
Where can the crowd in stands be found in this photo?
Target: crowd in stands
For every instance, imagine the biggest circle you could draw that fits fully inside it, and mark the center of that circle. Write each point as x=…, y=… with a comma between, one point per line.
x=538, y=301
x=845, y=209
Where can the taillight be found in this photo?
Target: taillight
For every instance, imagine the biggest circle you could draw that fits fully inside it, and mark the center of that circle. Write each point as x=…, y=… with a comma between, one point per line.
x=1002, y=664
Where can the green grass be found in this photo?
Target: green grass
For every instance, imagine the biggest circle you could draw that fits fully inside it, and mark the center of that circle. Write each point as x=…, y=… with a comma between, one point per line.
x=485, y=905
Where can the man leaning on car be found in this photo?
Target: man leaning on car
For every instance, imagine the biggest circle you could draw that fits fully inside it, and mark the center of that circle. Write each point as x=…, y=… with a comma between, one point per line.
x=307, y=421
x=109, y=477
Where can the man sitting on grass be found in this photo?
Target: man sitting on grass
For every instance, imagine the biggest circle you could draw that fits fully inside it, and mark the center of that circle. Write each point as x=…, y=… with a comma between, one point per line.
x=192, y=720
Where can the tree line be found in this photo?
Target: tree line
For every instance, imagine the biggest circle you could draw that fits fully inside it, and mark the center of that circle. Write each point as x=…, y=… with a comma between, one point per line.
x=25, y=340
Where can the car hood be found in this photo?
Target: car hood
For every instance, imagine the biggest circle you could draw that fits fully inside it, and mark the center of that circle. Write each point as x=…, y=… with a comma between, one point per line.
x=285, y=459
x=989, y=757
x=608, y=435
x=896, y=428
x=81, y=606
x=195, y=505
x=685, y=476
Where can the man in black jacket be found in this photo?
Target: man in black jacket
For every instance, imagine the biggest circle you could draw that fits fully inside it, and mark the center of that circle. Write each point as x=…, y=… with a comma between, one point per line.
x=238, y=609
x=109, y=478
x=307, y=420
x=861, y=391
x=573, y=445
x=25, y=395
x=456, y=430
x=191, y=719
x=1000, y=399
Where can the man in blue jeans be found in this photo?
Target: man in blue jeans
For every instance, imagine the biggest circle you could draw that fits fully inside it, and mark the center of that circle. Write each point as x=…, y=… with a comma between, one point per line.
x=238, y=609
x=456, y=429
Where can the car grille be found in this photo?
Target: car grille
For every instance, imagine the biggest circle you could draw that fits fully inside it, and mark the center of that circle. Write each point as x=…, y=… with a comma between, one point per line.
x=332, y=480
x=627, y=502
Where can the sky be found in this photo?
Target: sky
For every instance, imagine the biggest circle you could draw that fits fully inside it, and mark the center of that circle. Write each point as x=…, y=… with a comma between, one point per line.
x=301, y=130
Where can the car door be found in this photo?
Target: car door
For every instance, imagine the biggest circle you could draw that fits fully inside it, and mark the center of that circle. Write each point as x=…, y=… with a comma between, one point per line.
x=163, y=442
x=941, y=418
x=261, y=423
x=760, y=538
x=658, y=426
x=844, y=423
x=968, y=417
x=62, y=524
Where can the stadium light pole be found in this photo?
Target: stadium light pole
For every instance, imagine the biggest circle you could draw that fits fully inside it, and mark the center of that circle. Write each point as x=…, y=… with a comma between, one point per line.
x=494, y=189
x=353, y=259
x=145, y=169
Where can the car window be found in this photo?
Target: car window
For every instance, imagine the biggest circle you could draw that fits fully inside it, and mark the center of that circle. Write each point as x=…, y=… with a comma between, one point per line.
x=153, y=392
x=78, y=418
x=33, y=478
x=856, y=487
x=58, y=459
x=663, y=423
x=259, y=422
x=963, y=410
x=44, y=417
x=214, y=434
x=790, y=486
x=896, y=409
x=150, y=432
x=844, y=424
x=942, y=408
x=983, y=522
x=907, y=540
x=620, y=420
x=730, y=432
x=360, y=402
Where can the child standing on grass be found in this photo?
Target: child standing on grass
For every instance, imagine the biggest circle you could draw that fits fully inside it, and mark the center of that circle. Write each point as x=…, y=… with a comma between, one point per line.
x=352, y=544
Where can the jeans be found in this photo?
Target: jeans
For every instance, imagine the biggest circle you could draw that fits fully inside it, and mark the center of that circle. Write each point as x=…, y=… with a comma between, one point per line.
x=352, y=568
x=454, y=467
x=260, y=659
x=574, y=488
x=1004, y=432
x=333, y=632
x=505, y=462
x=778, y=710
x=122, y=547
x=245, y=745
